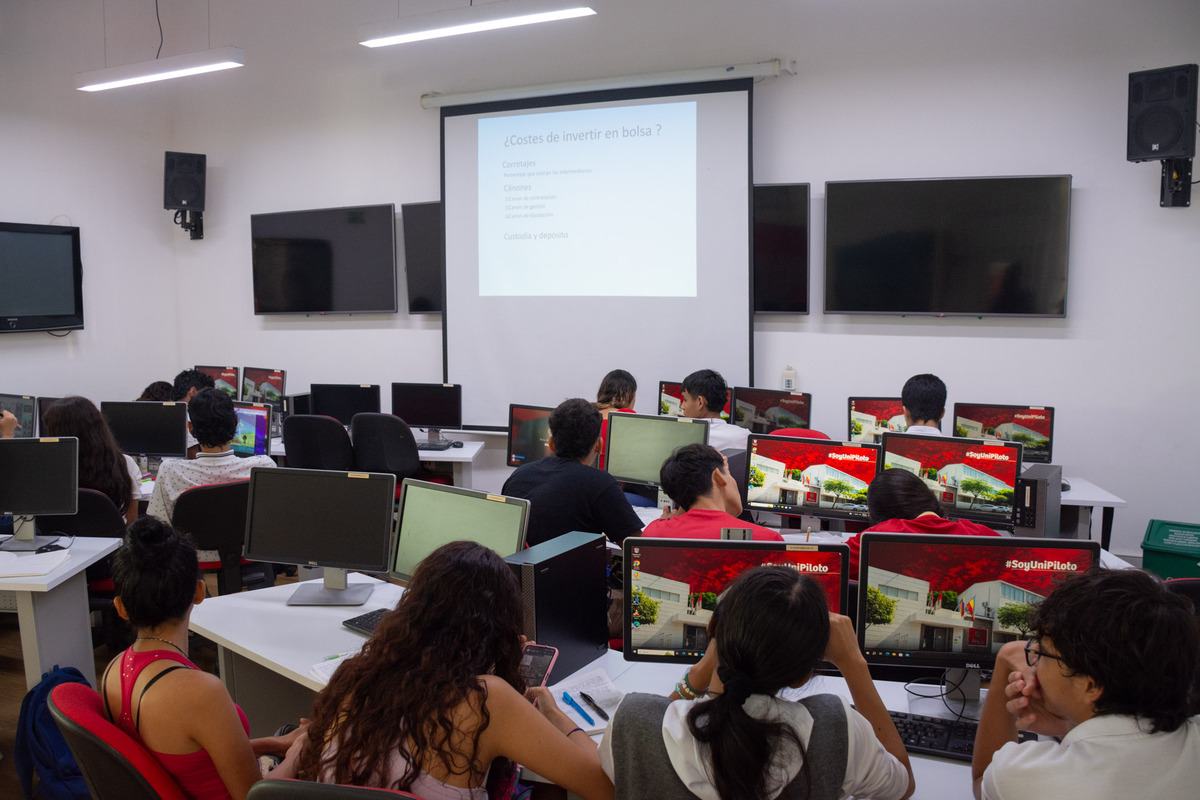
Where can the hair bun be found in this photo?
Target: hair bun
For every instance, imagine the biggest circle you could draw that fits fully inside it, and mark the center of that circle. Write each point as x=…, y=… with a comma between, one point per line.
x=150, y=539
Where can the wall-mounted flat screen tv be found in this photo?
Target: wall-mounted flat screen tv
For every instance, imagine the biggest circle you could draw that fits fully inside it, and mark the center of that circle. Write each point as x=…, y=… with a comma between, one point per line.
x=781, y=248
x=952, y=246
x=325, y=261
x=424, y=256
x=41, y=278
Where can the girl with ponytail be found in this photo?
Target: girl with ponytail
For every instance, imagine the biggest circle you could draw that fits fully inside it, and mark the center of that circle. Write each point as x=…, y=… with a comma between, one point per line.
x=726, y=735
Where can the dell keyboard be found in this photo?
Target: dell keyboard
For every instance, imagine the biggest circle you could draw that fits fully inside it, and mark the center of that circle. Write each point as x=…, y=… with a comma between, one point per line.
x=366, y=623
x=935, y=736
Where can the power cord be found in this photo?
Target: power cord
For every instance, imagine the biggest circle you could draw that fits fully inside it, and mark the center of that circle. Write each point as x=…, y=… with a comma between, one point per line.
x=959, y=714
x=158, y=18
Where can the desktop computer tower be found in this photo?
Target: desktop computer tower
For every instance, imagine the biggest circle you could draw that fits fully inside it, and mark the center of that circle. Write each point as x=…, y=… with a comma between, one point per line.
x=1037, y=501
x=564, y=598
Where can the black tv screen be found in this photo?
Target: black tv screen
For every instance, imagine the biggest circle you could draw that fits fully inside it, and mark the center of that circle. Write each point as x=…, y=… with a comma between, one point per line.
x=325, y=261
x=41, y=278
x=781, y=248
x=424, y=256
x=970, y=246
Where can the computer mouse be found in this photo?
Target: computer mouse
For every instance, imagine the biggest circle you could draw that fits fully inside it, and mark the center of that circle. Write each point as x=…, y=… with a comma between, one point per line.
x=1066, y=487
x=456, y=443
x=49, y=548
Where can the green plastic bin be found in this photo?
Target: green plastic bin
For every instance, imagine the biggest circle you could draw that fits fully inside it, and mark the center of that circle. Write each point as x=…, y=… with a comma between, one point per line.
x=1172, y=549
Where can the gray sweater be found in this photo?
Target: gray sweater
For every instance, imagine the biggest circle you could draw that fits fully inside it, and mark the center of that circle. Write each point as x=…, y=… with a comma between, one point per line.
x=643, y=769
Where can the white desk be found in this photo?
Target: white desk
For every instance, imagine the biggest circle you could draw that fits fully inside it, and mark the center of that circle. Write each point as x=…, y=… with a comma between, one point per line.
x=1088, y=495
x=461, y=459
x=52, y=611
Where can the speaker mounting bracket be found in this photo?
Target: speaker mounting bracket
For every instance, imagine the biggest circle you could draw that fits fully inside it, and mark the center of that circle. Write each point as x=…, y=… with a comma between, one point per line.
x=1176, y=188
x=191, y=221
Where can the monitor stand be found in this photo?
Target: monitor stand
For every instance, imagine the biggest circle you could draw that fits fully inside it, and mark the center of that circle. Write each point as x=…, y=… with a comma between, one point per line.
x=961, y=699
x=25, y=538
x=434, y=441
x=334, y=591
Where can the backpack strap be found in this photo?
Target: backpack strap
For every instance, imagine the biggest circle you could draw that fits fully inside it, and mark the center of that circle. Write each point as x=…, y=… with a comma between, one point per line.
x=137, y=723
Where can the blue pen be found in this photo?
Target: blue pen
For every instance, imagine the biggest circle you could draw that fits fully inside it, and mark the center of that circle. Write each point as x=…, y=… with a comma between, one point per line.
x=578, y=708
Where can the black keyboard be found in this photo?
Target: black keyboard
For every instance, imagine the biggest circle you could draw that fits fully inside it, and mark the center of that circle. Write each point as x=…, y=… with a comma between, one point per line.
x=935, y=736
x=366, y=623
x=440, y=445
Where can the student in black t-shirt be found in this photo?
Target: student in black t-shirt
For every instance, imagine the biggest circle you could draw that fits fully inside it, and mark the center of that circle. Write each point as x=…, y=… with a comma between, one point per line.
x=564, y=493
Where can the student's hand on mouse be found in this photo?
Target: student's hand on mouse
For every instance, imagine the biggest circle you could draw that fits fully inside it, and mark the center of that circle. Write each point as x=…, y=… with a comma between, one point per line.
x=842, y=649
x=1025, y=702
x=8, y=425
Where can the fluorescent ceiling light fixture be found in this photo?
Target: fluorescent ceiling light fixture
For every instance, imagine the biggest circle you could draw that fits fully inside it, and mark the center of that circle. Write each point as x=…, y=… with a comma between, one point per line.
x=471, y=19
x=162, y=69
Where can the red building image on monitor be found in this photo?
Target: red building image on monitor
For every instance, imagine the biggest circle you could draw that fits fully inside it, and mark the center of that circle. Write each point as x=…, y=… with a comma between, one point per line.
x=1032, y=426
x=871, y=417
x=765, y=410
x=967, y=476
x=808, y=475
x=670, y=400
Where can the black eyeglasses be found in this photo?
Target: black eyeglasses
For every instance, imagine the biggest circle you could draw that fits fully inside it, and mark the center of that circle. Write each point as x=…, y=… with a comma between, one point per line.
x=1033, y=655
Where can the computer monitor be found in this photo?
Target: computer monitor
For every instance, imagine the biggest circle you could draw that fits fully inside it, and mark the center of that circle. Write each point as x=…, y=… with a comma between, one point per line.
x=528, y=433
x=971, y=478
x=1032, y=426
x=263, y=385
x=428, y=405
x=44, y=403
x=225, y=379
x=297, y=404
x=638, y=444
x=432, y=515
x=813, y=477
x=343, y=400
x=765, y=410
x=24, y=408
x=37, y=476
x=939, y=602
x=672, y=587
x=670, y=396
x=253, y=437
x=144, y=428
x=871, y=417
x=322, y=518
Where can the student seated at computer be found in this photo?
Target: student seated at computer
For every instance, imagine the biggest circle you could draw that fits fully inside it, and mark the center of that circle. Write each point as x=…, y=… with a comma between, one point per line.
x=156, y=694
x=900, y=502
x=725, y=734
x=704, y=394
x=158, y=391
x=213, y=421
x=187, y=384
x=564, y=493
x=924, y=401
x=434, y=704
x=696, y=478
x=617, y=392
x=102, y=465
x=1111, y=674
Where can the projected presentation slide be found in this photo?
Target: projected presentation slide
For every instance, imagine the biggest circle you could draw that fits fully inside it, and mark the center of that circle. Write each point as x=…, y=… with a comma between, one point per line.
x=263, y=385
x=971, y=478
x=253, y=431
x=1032, y=426
x=943, y=597
x=564, y=196
x=670, y=400
x=810, y=476
x=225, y=379
x=765, y=410
x=23, y=407
x=871, y=417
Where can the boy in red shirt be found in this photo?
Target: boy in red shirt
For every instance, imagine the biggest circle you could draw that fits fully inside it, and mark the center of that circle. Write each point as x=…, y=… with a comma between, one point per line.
x=900, y=502
x=697, y=478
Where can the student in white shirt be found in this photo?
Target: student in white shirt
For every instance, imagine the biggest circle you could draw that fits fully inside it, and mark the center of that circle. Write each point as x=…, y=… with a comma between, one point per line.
x=186, y=386
x=924, y=401
x=726, y=734
x=1114, y=675
x=704, y=393
x=213, y=422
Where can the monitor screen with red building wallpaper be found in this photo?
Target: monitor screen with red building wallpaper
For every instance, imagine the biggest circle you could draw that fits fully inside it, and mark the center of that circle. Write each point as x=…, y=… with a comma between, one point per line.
x=528, y=433
x=670, y=396
x=871, y=417
x=816, y=477
x=1032, y=426
x=766, y=410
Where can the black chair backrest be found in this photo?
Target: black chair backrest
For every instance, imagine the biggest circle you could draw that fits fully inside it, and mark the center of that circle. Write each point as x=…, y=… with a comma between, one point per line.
x=384, y=443
x=97, y=516
x=302, y=790
x=215, y=516
x=1188, y=587
x=311, y=441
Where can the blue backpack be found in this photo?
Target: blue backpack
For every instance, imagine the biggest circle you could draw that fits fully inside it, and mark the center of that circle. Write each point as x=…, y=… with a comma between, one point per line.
x=40, y=747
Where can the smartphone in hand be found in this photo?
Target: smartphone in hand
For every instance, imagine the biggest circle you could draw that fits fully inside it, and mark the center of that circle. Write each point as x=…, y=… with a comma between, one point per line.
x=536, y=662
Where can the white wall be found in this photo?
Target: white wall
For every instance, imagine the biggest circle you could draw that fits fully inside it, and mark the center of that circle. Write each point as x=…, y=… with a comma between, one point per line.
x=924, y=88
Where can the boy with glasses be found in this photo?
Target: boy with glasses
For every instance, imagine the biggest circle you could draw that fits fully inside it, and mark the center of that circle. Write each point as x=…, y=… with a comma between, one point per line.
x=1113, y=675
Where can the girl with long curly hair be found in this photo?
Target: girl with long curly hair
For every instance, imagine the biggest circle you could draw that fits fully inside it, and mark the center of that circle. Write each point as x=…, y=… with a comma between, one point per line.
x=102, y=465
x=434, y=704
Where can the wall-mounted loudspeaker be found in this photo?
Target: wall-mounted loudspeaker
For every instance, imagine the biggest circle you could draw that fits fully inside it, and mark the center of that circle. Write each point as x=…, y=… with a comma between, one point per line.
x=1162, y=114
x=183, y=181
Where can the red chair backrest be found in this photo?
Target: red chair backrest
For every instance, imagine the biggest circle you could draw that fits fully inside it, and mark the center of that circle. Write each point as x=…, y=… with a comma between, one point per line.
x=799, y=433
x=302, y=790
x=115, y=766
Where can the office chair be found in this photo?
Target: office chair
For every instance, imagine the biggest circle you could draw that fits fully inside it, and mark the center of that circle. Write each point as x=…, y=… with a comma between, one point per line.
x=114, y=765
x=312, y=441
x=384, y=443
x=799, y=433
x=215, y=516
x=1188, y=587
x=303, y=790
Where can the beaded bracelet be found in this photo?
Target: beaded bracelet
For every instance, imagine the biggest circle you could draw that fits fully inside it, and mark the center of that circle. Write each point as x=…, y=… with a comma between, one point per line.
x=687, y=679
